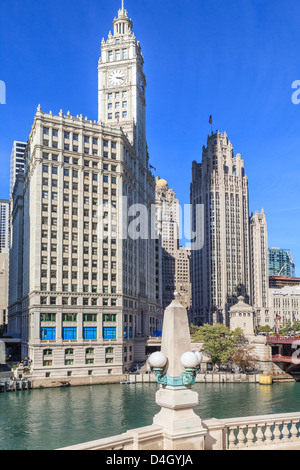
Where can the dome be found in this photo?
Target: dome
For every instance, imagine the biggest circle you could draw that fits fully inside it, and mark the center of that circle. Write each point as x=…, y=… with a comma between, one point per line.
x=161, y=183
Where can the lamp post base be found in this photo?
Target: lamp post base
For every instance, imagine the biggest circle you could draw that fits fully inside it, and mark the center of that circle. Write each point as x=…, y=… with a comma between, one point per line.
x=182, y=428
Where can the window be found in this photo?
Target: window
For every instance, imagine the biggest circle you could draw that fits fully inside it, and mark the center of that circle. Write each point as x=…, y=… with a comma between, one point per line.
x=110, y=56
x=48, y=334
x=69, y=333
x=48, y=317
x=124, y=54
x=69, y=317
x=89, y=333
x=47, y=352
x=47, y=363
x=90, y=317
x=109, y=317
x=118, y=54
x=109, y=333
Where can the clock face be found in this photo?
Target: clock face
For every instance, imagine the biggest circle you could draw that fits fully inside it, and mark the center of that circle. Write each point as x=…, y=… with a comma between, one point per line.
x=117, y=77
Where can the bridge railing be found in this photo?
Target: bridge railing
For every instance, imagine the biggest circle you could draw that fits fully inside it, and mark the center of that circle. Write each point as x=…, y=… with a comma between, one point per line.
x=282, y=339
x=262, y=432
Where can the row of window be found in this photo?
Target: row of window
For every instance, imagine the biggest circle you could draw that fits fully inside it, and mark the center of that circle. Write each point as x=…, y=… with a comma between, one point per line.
x=117, y=55
x=75, y=161
x=117, y=105
x=117, y=115
x=116, y=95
x=72, y=317
x=75, y=137
x=70, y=333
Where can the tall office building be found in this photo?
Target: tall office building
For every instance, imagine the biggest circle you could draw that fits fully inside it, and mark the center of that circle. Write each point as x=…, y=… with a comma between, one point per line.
x=4, y=226
x=281, y=262
x=259, y=269
x=17, y=163
x=168, y=218
x=3, y=290
x=221, y=268
x=89, y=281
x=183, y=278
x=175, y=259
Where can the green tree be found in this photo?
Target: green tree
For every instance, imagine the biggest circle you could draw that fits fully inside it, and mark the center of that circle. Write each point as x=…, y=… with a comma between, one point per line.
x=219, y=342
x=265, y=329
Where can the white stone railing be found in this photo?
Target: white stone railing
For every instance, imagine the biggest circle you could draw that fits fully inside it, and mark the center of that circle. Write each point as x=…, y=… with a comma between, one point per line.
x=267, y=432
x=254, y=432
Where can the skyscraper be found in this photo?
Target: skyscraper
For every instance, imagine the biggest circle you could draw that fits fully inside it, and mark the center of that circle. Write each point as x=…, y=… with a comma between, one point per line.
x=281, y=262
x=16, y=162
x=89, y=283
x=4, y=226
x=175, y=258
x=259, y=268
x=221, y=268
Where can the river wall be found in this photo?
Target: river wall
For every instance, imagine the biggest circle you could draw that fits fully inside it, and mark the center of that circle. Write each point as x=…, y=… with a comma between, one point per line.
x=212, y=377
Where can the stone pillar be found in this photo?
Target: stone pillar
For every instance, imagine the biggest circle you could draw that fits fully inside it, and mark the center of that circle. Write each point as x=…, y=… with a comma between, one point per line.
x=182, y=428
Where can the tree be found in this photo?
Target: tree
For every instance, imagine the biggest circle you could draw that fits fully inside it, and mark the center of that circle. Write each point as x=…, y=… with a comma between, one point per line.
x=219, y=342
x=244, y=358
x=265, y=329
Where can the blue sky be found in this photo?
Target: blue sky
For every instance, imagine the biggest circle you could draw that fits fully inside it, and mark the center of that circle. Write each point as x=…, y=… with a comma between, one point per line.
x=234, y=59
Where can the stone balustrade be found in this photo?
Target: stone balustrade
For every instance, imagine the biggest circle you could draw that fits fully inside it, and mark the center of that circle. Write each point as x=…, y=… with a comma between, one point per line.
x=267, y=432
x=279, y=431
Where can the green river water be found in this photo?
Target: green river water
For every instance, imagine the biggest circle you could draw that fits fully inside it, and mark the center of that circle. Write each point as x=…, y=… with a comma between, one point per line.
x=49, y=419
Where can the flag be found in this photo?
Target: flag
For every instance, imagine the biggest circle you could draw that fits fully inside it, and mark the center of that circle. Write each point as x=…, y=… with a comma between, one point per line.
x=210, y=120
x=152, y=168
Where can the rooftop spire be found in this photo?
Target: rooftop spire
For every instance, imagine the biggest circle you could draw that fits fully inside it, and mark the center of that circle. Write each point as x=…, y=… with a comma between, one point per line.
x=122, y=24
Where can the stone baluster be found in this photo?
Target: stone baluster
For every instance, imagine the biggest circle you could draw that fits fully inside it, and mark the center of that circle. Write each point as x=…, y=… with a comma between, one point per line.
x=250, y=436
x=294, y=430
x=231, y=438
x=277, y=434
x=285, y=432
x=241, y=437
x=259, y=435
x=268, y=435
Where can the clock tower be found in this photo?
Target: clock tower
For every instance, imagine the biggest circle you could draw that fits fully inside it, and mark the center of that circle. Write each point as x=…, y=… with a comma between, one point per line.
x=122, y=84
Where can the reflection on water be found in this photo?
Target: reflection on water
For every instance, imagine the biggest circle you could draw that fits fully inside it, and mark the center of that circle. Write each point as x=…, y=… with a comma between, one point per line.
x=55, y=418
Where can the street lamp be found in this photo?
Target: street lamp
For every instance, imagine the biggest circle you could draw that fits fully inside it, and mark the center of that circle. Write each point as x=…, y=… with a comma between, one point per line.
x=190, y=360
